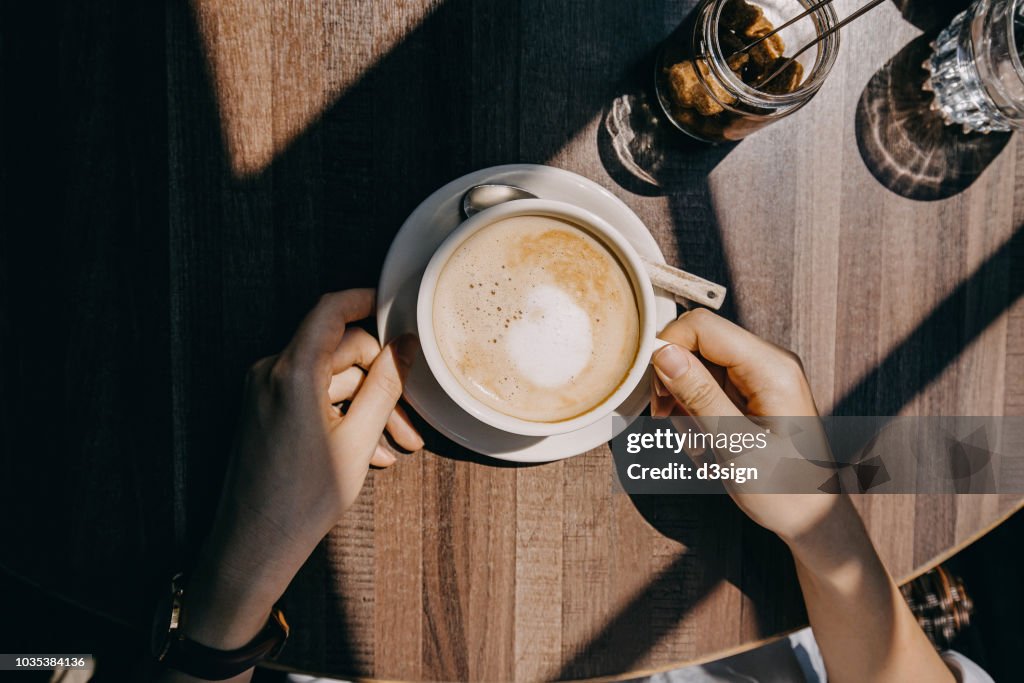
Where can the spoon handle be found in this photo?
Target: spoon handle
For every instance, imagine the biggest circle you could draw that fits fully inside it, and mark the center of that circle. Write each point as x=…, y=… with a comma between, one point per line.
x=686, y=285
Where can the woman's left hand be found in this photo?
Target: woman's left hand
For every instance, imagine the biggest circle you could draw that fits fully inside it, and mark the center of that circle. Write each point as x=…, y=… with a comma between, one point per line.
x=299, y=463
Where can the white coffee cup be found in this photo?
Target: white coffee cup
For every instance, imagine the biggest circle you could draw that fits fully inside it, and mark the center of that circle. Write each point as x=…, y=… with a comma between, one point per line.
x=597, y=228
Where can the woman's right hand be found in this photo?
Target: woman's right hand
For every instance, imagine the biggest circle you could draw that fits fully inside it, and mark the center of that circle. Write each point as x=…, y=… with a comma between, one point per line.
x=866, y=632
x=741, y=373
x=715, y=369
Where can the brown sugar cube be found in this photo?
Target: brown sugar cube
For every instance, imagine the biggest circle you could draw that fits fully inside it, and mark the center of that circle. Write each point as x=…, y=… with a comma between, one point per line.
x=713, y=128
x=687, y=118
x=757, y=28
x=787, y=81
x=731, y=46
x=688, y=91
x=765, y=53
x=702, y=126
x=682, y=79
x=730, y=42
x=738, y=14
x=737, y=62
x=711, y=103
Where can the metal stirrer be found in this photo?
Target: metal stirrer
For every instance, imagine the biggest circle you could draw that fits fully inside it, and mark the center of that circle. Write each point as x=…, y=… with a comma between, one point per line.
x=810, y=10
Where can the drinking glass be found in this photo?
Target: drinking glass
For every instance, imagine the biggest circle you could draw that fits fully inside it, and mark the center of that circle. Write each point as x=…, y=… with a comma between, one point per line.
x=976, y=71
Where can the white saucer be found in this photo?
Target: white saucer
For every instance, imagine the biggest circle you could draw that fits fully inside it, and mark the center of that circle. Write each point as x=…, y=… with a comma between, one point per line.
x=412, y=248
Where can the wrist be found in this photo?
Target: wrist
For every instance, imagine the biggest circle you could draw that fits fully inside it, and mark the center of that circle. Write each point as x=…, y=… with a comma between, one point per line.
x=241, y=573
x=836, y=543
x=224, y=614
x=230, y=594
x=216, y=644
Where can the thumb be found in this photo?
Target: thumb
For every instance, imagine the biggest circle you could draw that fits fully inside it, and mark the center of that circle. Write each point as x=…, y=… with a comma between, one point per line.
x=689, y=381
x=372, y=405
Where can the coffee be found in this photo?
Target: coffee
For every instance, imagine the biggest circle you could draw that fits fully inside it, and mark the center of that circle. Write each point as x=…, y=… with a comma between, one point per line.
x=536, y=318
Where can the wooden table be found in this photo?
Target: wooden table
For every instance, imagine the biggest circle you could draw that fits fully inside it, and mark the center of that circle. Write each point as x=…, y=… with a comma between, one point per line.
x=180, y=186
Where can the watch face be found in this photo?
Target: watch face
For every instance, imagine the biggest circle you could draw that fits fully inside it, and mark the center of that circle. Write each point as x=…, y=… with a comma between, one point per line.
x=160, y=636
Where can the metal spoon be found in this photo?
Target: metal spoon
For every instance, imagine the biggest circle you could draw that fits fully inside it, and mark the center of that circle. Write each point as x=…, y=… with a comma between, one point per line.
x=481, y=197
x=672, y=280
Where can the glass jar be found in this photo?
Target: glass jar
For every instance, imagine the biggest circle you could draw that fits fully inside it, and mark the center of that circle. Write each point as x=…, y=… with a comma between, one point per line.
x=976, y=70
x=709, y=87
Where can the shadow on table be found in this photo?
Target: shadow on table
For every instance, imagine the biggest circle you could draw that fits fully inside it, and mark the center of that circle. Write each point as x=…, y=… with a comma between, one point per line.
x=648, y=156
x=922, y=356
x=464, y=72
x=905, y=144
x=439, y=443
x=380, y=162
x=930, y=15
x=720, y=544
x=185, y=277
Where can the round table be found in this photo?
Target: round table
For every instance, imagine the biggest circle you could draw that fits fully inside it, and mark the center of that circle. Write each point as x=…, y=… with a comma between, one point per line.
x=232, y=162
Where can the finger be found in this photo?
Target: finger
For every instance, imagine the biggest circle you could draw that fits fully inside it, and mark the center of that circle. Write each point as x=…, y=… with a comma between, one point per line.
x=382, y=457
x=259, y=371
x=401, y=429
x=735, y=395
x=372, y=406
x=662, y=406
x=662, y=400
x=345, y=384
x=659, y=386
x=717, y=372
x=663, y=403
x=718, y=340
x=692, y=385
x=357, y=347
x=653, y=398
x=323, y=327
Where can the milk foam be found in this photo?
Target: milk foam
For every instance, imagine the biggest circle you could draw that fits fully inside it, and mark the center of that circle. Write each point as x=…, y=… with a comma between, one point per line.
x=552, y=343
x=536, y=318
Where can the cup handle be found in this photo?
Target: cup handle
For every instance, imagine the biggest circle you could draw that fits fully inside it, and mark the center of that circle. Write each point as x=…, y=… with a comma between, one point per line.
x=659, y=344
x=686, y=285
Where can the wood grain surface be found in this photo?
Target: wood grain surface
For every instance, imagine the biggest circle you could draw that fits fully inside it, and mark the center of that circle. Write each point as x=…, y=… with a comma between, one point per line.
x=181, y=182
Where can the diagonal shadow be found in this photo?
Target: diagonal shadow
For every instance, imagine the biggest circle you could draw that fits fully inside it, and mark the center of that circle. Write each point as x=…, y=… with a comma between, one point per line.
x=655, y=163
x=930, y=15
x=474, y=84
x=970, y=309
x=723, y=550
x=646, y=155
x=417, y=117
x=657, y=608
x=383, y=164
x=950, y=328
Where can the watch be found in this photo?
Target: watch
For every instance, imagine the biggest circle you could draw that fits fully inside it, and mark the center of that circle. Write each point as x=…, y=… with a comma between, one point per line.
x=171, y=648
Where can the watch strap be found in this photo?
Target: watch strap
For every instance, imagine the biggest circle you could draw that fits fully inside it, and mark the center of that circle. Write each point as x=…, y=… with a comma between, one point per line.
x=201, y=661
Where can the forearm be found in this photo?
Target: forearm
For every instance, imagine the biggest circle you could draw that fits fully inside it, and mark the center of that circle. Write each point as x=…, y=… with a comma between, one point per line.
x=222, y=618
x=228, y=603
x=860, y=620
